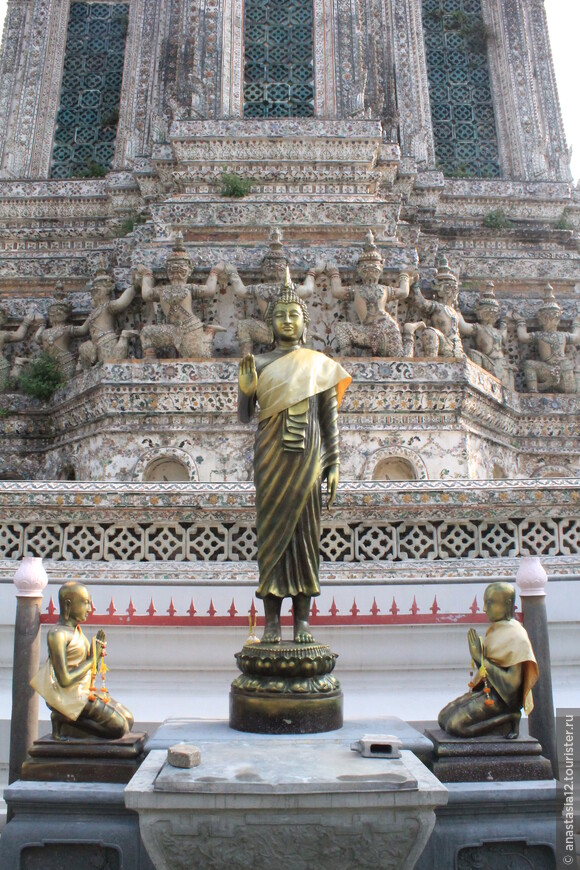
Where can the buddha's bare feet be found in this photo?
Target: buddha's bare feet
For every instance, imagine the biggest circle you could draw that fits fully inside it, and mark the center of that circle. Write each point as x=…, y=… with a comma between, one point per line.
x=272, y=634
x=302, y=633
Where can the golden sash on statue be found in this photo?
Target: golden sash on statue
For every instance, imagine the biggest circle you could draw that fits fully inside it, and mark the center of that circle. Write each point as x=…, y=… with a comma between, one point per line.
x=297, y=376
x=506, y=644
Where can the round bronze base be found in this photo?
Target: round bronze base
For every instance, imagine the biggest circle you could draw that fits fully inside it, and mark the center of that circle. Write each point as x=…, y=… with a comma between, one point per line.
x=286, y=688
x=285, y=714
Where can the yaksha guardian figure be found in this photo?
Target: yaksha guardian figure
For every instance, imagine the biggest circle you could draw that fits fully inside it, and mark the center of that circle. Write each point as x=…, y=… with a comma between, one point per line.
x=488, y=335
x=442, y=337
x=298, y=392
x=55, y=338
x=377, y=330
x=554, y=370
x=253, y=330
x=182, y=329
x=105, y=343
x=7, y=337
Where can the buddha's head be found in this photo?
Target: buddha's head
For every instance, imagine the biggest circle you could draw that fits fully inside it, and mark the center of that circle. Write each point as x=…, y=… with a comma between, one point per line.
x=288, y=315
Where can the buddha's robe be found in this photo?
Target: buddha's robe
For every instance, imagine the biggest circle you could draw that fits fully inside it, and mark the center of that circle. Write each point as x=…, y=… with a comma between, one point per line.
x=296, y=443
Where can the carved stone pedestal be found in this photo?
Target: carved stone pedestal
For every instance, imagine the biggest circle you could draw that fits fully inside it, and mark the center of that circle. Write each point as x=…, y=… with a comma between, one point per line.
x=487, y=759
x=286, y=688
x=261, y=802
x=86, y=760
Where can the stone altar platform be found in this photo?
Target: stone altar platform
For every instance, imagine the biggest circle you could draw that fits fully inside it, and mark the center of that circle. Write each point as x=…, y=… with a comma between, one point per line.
x=487, y=758
x=88, y=760
x=313, y=800
x=70, y=824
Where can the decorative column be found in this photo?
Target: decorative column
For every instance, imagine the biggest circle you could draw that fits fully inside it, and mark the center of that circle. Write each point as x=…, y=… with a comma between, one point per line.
x=532, y=581
x=30, y=580
x=16, y=27
x=529, y=125
x=35, y=59
x=416, y=131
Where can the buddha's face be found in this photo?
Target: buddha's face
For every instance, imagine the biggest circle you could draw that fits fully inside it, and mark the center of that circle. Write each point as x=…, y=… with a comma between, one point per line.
x=495, y=605
x=288, y=321
x=79, y=602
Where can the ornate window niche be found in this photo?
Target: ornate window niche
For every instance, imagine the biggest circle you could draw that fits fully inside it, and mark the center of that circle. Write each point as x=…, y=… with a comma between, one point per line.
x=394, y=468
x=299, y=82
x=165, y=464
x=462, y=110
x=88, y=113
x=278, y=59
x=398, y=463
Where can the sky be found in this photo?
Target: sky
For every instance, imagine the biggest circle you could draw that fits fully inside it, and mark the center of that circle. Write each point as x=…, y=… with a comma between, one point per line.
x=564, y=26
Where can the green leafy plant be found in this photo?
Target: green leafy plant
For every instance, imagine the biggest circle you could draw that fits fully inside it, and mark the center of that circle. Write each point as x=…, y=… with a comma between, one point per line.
x=41, y=377
x=4, y=413
x=110, y=118
x=563, y=223
x=129, y=223
x=458, y=20
x=497, y=220
x=478, y=35
x=460, y=171
x=234, y=185
x=92, y=169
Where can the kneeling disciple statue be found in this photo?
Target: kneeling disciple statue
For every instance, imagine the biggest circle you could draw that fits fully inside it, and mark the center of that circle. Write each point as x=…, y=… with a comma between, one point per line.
x=298, y=391
x=66, y=682
x=505, y=673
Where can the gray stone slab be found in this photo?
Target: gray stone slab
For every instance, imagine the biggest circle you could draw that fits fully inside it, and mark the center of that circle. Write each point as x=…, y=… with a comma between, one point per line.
x=267, y=766
x=199, y=730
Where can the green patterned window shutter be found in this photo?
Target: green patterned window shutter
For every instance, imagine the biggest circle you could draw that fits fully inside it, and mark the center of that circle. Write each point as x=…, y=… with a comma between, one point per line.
x=461, y=105
x=84, y=141
x=278, y=59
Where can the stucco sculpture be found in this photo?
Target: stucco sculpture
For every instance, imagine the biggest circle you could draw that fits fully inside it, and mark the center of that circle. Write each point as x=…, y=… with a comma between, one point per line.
x=55, y=337
x=255, y=330
x=105, y=343
x=442, y=336
x=377, y=330
x=553, y=370
x=9, y=371
x=489, y=335
x=183, y=329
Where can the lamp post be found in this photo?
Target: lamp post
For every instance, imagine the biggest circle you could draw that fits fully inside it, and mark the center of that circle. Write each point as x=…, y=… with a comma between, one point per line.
x=30, y=580
x=532, y=581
